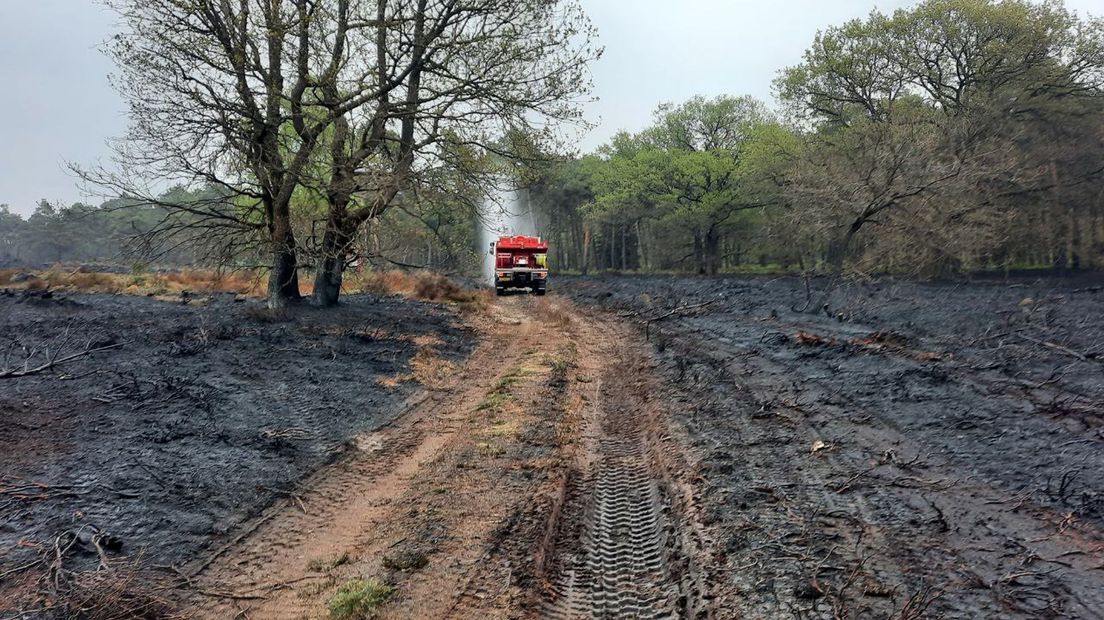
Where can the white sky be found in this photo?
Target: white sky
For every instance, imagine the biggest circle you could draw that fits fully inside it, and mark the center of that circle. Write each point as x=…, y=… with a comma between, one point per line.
x=57, y=105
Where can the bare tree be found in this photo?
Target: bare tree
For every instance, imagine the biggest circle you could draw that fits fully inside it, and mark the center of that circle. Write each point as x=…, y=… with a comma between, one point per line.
x=457, y=85
x=351, y=98
x=230, y=94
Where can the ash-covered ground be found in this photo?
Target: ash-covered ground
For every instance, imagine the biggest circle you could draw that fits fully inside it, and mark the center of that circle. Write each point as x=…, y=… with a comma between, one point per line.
x=191, y=421
x=913, y=450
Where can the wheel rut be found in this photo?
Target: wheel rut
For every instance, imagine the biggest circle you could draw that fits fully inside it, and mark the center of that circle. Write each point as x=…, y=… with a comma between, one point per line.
x=620, y=546
x=619, y=571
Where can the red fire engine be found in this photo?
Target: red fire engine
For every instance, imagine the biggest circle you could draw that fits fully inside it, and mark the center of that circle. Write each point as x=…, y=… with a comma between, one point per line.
x=520, y=262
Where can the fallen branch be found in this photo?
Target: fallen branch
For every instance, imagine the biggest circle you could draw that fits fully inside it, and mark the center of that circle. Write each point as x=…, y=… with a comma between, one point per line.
x=853, y=479
x=1057, y=347
x=12, y=373
x=679, y=310
x=647, y=322
x=19, y=569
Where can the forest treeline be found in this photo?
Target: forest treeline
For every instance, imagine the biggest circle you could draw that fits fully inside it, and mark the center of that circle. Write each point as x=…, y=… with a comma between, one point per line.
x=954, y=136
x=958, y=135
x=125, y=233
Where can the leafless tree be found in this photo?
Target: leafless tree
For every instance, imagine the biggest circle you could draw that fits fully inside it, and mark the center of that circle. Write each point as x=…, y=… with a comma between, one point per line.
x=457, y=86
x=228, y=94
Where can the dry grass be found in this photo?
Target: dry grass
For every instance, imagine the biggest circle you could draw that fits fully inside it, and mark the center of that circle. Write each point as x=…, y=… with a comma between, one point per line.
x=170, y=285
x=384, y=283
x=427, y=367
x=113, y=595
x=119, y=590
x=425, y=286
x=325, y=565
x=153, y=284
x=430, y=369
x=555, y=312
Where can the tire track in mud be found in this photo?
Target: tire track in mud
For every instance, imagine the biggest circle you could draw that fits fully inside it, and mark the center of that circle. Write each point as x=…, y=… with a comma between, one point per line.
x=351, y=509
x=541, y=481
x=625, y=545
x=619, y=572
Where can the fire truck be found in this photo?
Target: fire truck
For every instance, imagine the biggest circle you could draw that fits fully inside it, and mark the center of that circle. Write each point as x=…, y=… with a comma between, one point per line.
x=520, y=262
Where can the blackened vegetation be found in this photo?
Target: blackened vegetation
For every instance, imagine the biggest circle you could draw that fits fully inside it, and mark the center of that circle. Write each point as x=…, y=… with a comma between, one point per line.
x=152, y=453
x=917, y=450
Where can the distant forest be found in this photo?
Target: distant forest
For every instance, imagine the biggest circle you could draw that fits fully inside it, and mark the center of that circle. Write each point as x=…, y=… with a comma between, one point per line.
x=127, y=234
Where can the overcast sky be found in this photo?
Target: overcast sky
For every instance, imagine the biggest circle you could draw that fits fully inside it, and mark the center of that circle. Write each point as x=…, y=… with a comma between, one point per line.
x=58, y=105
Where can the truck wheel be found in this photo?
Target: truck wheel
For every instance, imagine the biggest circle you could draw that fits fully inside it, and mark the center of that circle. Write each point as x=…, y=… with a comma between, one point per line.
x=499, y=291
x=539, y=291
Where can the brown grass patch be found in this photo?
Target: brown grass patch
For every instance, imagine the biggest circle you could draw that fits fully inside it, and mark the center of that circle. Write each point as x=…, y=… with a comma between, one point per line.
x=553, y=312
x=7, y=275
x=426, y=286
x=427, y=367
x=169, y=284
x=430, y=369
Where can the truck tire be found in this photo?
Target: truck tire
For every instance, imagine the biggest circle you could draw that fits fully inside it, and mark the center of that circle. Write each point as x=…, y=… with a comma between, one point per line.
x=499, y=291
x=539, y=291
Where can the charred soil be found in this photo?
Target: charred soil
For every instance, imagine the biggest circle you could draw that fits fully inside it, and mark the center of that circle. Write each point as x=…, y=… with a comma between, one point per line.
x=912, y=450
x=189, y=422
x=659, y=447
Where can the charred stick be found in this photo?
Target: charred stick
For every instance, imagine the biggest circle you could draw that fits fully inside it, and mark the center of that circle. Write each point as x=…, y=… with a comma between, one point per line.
x=10, y=373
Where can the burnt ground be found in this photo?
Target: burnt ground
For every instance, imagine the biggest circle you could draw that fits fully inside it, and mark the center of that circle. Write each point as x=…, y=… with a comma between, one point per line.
x=199, y=418
x=916, y=450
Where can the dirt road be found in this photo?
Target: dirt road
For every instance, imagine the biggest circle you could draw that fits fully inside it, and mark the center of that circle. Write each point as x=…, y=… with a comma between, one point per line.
x=536, y=479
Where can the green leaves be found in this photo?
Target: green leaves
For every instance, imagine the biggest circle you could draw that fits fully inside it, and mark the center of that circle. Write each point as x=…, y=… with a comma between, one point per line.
x=956, y=56
x=691, y=166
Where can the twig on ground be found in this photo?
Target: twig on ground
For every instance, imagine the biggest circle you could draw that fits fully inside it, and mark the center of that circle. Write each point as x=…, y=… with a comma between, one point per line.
x=1062, y=349
x=52, y=361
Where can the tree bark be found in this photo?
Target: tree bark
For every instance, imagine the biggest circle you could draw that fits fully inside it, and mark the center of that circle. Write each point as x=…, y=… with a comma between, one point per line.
x=336, y=242
x=586, y=249
x=283, y=280
x=624, y=247
x=711, y=251
x=839, y=248
x=699, y=254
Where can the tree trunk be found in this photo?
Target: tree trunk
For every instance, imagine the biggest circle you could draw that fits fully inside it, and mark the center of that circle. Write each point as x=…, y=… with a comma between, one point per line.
x=283, y=280
x=624, y=247
x=839, y=248
x=699, y=255
x=712, y=251
x=586, y=249
x=331, y=265
x=612, y=249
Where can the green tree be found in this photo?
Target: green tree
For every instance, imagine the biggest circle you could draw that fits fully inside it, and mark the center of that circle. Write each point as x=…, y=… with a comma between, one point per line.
x=686, y=172
x=929, y=124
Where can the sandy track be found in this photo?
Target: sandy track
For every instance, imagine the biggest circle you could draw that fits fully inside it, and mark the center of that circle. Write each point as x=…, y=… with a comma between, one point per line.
x=628, y=545
x=537, y=478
